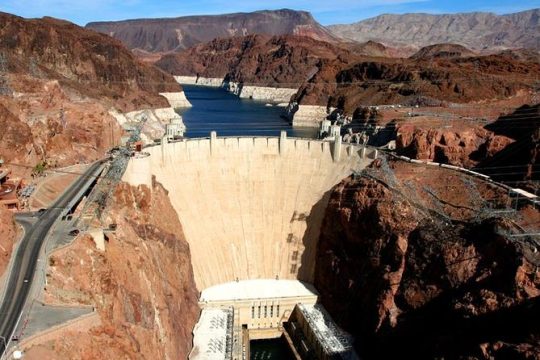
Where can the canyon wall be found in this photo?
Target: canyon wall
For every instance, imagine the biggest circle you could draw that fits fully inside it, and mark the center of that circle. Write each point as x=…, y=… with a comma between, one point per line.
x=419, y=262
x=141, y=286
x=462, y=147
x=250, y=207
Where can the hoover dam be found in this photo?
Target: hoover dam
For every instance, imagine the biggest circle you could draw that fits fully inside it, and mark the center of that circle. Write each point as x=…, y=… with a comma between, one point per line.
x=251, y=209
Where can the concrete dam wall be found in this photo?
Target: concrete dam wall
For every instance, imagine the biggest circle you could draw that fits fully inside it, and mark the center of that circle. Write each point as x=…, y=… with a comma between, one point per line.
x=250, y=207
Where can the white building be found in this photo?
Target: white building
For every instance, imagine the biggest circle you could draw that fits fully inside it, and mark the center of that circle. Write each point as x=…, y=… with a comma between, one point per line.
x=175, y=129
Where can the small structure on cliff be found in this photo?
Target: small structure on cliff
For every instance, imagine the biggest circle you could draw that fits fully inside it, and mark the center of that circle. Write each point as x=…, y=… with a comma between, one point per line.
x=175, y=129
x=8, y=189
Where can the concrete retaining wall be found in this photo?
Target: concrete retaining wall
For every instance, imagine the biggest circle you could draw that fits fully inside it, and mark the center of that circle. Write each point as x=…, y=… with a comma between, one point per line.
x=252, y=207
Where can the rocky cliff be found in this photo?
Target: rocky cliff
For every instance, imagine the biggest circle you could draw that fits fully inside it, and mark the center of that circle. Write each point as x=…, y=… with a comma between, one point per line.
x=419, y=262
x=141, y=286
x=90, y=63
x=518, y=163
x=466, y=147
x=475, y=30
x=279, y=61
x=172, y=34
x=344, y=77
x=420, y=80
x=57, y=84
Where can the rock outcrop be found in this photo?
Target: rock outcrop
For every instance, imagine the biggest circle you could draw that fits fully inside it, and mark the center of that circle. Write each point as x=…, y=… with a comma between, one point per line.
x=261, y=60
x=338, y=76
x=141, y=286
x=58, y=83
x=518, y=162
x=443, y=51
x=88, y=62
x=465, y=147
x=172, y=34
x=417, y=262
x=476, y=30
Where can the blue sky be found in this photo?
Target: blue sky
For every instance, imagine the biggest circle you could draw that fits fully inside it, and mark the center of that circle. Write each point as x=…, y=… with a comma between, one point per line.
x=325, y=11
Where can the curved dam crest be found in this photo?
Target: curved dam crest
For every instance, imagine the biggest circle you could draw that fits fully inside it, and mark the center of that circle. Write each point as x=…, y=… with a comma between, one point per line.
x=250, y=207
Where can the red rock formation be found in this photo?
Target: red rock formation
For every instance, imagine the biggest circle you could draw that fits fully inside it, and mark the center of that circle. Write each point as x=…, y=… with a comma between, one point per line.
x=519, y=162
x=142, y=286
x=342, y=76
x=281, y=61
x=92, y=64
x=415, y=266
x=465, y=147
x=57, y=85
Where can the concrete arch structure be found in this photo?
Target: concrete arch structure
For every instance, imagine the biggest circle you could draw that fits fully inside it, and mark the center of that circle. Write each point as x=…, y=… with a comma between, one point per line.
x=251, y=207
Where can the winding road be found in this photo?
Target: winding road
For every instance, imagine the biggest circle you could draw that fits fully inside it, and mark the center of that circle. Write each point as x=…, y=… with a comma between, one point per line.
x=21, y=274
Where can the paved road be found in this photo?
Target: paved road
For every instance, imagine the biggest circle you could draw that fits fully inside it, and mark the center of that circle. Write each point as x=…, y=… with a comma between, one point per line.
x=24, y=264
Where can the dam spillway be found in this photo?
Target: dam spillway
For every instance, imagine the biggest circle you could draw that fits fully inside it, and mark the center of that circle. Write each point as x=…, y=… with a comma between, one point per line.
x=250, y=207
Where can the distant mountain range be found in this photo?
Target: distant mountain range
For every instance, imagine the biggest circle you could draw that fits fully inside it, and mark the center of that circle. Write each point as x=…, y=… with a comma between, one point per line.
x=477, y=30
x=172, y=34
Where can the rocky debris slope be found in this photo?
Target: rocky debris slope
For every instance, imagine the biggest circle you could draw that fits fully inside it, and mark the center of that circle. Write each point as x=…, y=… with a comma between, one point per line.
x=58, y=83
x=474, y=30
x=8, y=232
x=142, y=285
x=172, y=34
x=419, y=262
x=88, y=62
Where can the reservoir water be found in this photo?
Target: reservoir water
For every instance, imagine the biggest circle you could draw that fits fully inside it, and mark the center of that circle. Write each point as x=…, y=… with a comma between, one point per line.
x=219, y=110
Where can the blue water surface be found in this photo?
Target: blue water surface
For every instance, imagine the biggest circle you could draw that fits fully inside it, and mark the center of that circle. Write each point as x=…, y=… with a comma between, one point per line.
x=219, y=110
